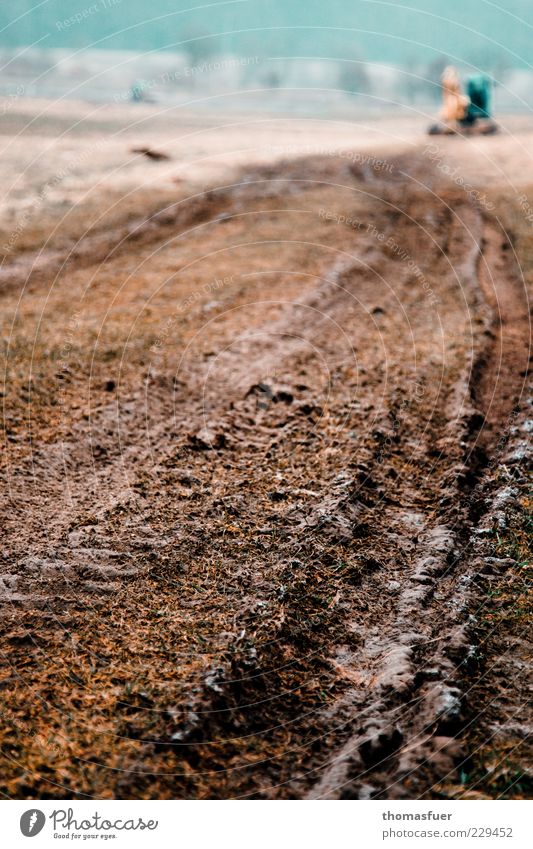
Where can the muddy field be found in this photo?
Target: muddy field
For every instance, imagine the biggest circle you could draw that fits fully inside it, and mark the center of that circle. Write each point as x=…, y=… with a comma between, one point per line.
x=265, y=451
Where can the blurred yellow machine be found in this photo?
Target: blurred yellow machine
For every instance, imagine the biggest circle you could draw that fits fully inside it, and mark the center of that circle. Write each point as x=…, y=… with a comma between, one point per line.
x=464, y=114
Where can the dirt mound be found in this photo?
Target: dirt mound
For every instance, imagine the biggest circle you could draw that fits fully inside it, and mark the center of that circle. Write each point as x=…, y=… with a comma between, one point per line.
x=250, y=480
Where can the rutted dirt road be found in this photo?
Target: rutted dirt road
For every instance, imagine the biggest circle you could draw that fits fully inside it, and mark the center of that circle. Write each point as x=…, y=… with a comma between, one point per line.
x=246, y=446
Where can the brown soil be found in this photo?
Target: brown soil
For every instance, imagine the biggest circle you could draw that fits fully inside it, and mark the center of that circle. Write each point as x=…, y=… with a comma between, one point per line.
x=247, y=445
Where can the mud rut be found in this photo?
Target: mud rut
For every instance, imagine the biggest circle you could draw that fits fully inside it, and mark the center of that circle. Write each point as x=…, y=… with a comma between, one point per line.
x=252, y=573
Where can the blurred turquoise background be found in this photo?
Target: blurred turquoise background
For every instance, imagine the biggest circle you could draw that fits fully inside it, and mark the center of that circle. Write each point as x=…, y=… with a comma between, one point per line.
x=474, y=31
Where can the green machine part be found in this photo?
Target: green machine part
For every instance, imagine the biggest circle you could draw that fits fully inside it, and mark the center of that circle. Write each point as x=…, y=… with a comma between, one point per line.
x=478, y=89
